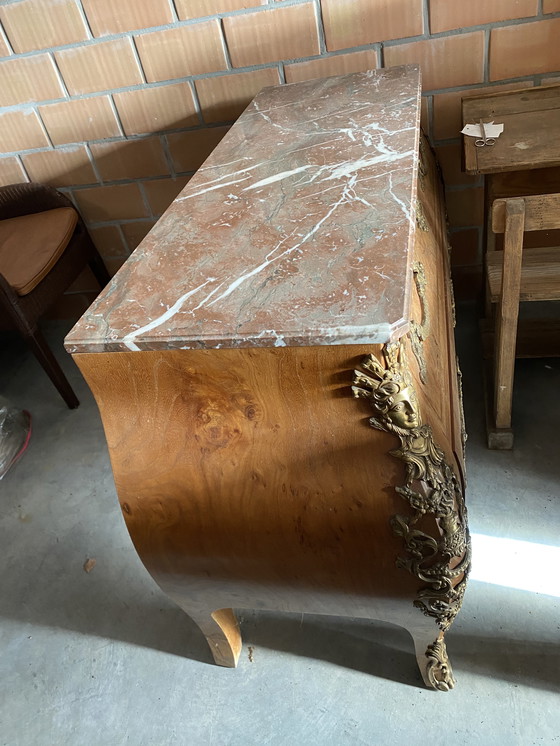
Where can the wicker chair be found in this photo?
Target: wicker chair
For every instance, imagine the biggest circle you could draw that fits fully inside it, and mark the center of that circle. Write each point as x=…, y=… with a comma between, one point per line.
x=22, y=311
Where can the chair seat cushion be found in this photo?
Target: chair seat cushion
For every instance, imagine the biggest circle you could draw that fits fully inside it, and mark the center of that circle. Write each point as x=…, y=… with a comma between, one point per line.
x=31, y=245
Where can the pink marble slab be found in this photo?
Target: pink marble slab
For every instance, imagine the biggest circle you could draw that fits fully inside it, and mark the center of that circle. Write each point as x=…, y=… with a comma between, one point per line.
x=297, y=230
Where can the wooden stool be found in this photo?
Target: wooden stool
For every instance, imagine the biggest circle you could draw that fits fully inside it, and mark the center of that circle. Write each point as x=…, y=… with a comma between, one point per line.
x=515, y=275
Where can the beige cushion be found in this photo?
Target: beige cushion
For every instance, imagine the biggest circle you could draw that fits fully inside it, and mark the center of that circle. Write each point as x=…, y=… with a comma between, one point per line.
x=31, y=245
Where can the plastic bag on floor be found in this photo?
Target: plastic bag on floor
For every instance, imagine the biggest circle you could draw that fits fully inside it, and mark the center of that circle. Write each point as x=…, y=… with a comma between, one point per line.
x=15, y=431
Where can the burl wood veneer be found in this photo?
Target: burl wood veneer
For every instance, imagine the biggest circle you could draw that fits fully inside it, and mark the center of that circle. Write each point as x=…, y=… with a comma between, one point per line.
x=276, y=373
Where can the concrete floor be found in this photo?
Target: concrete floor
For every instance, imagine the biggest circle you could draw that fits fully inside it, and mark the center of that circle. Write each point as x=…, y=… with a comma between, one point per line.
x=105, y=659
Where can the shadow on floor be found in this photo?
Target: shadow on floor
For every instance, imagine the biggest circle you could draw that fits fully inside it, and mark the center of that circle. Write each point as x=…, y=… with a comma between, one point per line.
x=374, y=648
x=520, y=662
x=152, y=622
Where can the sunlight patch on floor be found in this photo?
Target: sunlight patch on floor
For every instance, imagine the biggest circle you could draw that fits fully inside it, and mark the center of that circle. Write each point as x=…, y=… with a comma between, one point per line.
x=516, y=564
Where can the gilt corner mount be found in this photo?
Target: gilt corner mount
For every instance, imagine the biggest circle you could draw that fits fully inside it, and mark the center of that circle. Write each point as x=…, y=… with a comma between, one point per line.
x=441, y=562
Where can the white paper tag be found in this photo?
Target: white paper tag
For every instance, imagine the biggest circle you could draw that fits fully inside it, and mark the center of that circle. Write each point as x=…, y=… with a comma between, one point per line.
x=490, y=130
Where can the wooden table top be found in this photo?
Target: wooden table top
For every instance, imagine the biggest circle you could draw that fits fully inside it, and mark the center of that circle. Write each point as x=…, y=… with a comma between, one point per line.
x=531, y=118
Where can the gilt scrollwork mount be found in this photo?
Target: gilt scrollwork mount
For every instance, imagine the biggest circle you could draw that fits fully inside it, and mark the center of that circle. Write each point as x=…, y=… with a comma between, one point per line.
x=438, y=669
x=461, y=409
x=421, y=220
x=419, y=330
x=422, y=167
x=440, y=561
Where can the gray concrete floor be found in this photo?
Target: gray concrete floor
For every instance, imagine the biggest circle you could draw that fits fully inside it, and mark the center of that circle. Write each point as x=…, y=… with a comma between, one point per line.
x=105, y=658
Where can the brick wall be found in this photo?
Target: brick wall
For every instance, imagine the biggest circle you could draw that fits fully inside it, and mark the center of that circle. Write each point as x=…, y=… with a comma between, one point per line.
x=118, y=102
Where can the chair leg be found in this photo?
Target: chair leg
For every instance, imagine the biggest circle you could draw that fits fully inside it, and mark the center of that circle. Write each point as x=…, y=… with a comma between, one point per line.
x=98, y=268
x=506, y=321
x=44, y=355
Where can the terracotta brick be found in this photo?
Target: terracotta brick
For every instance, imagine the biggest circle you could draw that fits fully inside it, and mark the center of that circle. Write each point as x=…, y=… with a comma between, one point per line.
x=551, y=6
x=189, y=150
x=156, y=109
x=108, y=241
x=465, y=207
x=270, y=35
x=79, y=120
x=36, y=24
x=187, y=9
x=223, y=99
x=119, y=202
x=324, y=67
x=446, y=15
x=178, y=52
x=130, y=159
x=136, y=232
x=84, y=282
x=11, y=172
x=465, y=249
x=467, y=283
x=449, y=157
x=445, y=62
x=71, y=306
x=351, y=23
x=99, y=67
x=21, y=130
x=60, y=167
x=448, y=120
x=28, y=79
x=528, y=49
x=112, y=16
x=162, y=192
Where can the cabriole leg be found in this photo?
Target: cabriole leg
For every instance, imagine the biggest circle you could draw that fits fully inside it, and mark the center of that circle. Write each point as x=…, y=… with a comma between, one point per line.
x=222, y=633
x=433, y=662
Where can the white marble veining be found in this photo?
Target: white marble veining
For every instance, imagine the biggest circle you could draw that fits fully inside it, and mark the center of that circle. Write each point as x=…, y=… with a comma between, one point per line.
x=296, y=230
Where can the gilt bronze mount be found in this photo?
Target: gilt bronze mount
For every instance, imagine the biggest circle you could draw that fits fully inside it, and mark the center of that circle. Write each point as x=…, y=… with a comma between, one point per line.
x=440, y=561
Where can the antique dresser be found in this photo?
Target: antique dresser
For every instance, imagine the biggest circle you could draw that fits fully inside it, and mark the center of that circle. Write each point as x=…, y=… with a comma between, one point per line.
x=276, y=374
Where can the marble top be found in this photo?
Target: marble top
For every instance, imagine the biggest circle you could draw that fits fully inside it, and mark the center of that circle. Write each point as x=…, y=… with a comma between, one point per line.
x=297, y=230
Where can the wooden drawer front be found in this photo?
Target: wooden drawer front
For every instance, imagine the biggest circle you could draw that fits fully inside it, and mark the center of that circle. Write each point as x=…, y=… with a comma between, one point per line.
x=434, y=357
x=429, y=187
x=429, y=340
